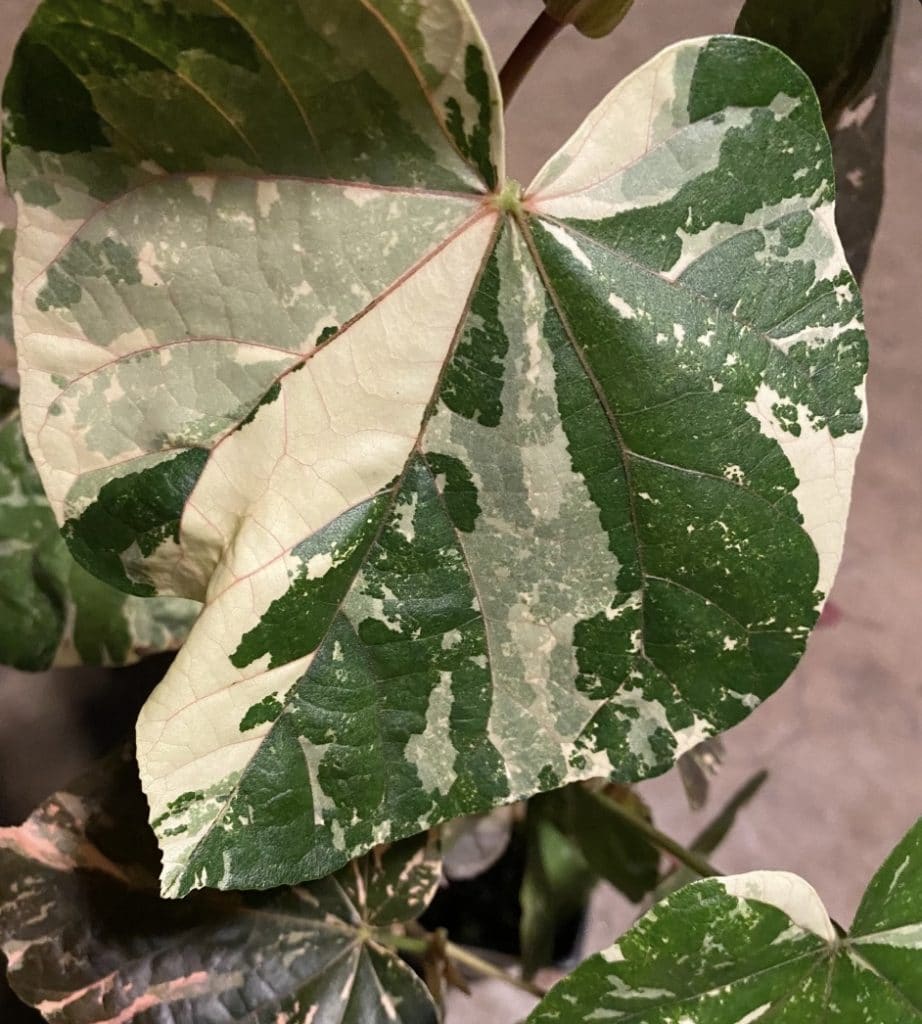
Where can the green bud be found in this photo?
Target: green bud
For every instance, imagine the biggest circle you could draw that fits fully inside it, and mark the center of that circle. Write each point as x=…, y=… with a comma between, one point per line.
x=594, y=18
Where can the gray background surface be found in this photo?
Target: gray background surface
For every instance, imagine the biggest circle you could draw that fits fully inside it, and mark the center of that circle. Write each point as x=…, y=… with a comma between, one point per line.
x=843, y=739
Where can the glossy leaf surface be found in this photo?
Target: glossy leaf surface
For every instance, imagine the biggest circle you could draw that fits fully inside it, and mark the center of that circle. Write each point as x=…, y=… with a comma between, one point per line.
x=483, y=492
x=760, y=946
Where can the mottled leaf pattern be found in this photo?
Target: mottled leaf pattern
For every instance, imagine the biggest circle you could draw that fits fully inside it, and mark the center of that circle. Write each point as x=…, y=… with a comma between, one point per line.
x=52, y=611
x=88, y=941
x=838, y=44
x=845, y=47
x=760, y=947
x=484, y=491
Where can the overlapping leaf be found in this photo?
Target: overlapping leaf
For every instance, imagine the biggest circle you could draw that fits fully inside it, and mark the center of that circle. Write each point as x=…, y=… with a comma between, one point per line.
x=837, y=42
x=846, y=49
x=483, y=492
x=760, y=947
x=88, y=940
x=52, y=611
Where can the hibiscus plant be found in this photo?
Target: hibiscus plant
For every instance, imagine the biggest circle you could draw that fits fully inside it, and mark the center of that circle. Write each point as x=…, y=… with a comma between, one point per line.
x=463, y=505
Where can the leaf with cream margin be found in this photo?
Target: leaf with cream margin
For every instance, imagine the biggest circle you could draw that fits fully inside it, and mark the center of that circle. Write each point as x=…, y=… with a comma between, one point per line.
x=760, y=947
x=88, y=940
x=53, y=613
x=483, y=493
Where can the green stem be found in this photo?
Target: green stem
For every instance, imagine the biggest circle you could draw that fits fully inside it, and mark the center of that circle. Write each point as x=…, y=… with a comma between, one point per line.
x=660, y=840
x=544, y=30
x=419, y=946
x=469, y=959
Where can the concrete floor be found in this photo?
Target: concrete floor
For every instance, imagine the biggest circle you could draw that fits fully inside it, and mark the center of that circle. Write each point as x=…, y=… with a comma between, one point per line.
x=843, y=739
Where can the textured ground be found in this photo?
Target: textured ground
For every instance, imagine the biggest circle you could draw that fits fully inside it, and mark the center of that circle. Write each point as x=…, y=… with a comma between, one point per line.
x=843, y=739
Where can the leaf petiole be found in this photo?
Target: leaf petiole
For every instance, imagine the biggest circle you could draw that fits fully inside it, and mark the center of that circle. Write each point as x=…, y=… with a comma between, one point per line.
x=660, y=840
x=543, y=31
x=420, y=946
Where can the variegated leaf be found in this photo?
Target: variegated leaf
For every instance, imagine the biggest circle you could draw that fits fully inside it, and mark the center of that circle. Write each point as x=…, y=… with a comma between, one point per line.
x=837, y=44
x=484, y=492
x=845, y=48
x=52, y=611
x=760, y=947
x=88, y=941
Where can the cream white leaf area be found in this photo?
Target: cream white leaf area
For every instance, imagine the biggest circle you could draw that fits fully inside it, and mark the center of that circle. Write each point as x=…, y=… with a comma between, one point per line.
x=760, y=947
x=484, y=489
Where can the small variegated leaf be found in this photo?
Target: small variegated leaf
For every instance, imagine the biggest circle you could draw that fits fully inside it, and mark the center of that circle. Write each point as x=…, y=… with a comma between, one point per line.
x=760, y=947
x=88, y=940
x=696, y=767
x=484, y=492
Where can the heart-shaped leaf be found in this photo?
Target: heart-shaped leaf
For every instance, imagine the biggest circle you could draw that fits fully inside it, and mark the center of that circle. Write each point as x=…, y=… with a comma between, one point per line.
x=88, y=941
x=484, y=492
x=760, y=947
x=52, y=611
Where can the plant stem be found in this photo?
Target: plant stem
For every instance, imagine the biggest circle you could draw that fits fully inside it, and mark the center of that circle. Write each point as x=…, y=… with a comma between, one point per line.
x=660, y=840
x=420, y=946
x=469, y=959
x=543, y=32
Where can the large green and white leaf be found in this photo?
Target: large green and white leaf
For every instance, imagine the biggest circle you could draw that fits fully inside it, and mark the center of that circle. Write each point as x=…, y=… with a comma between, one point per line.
x=88, y=941
x=760, y=947
x=52, y=611
x=483, y=493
